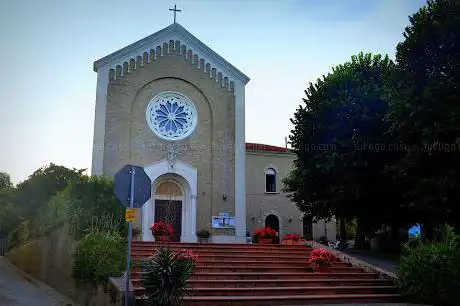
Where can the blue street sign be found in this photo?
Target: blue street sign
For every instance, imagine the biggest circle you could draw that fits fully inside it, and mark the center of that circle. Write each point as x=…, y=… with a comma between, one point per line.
x=133, y=189
x=142, y=186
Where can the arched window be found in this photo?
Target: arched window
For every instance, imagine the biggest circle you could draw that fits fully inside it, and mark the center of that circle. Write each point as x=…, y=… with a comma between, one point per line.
x=270, y=180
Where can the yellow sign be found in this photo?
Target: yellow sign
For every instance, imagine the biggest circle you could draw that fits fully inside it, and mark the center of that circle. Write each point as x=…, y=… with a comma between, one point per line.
x=130, y=215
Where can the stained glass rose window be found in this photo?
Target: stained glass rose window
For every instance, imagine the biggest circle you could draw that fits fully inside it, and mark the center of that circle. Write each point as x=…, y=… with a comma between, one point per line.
x=171, y=116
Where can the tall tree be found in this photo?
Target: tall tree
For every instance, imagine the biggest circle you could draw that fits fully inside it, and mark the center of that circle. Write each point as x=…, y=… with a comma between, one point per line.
x=340, y=142
x=424, y=112
x=8, y=214
x=33, y=194
x=5, y=181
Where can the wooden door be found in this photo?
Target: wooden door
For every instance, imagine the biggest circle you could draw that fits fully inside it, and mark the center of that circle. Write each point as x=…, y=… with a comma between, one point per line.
x=170, y=212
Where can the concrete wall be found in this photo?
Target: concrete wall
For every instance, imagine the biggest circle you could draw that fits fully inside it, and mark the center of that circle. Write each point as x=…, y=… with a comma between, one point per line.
x=49, y=259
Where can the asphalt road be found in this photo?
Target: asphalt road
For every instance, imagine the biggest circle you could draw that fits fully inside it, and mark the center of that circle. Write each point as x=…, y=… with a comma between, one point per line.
x=17, y=291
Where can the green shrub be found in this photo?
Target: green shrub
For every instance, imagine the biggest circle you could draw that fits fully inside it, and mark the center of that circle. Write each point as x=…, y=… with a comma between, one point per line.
x=203, y=233
x=18, y=235
x=98, y=256
x=165, y=276
x=55, y=214
x=429, y=273
x=90, y=199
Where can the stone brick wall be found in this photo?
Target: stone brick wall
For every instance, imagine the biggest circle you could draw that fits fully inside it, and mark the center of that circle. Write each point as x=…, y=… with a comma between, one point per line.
x=210, y=148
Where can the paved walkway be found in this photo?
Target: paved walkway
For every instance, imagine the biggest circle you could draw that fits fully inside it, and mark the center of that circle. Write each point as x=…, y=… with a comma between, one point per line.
x=16, y=290
x=384, y=264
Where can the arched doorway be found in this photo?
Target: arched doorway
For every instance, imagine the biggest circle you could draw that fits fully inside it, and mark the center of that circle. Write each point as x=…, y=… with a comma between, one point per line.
x=273, y=222
x=168, y=206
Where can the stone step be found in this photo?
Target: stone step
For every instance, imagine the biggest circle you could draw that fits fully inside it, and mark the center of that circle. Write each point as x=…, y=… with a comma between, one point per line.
x=236, y=262
x=262, y=253
x=268, y=268
x=286, y=299
x=285, y=283
x=222, y=246
x=238, y=250
x=135, y=274
x=232, y=274
x=179, y=245
x=256, y=283
x=274, y=291
x=258, y=257
x=282, y=268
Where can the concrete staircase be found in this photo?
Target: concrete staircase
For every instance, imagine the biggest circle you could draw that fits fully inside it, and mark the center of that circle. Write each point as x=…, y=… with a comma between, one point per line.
x=239, y=274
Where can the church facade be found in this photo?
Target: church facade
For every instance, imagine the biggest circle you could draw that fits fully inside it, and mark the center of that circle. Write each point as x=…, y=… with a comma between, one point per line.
x=170, y=104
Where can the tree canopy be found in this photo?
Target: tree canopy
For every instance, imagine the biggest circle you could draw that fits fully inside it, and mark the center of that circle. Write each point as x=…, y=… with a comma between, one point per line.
x=339, y=139
x=378, y=140
x=424, y=111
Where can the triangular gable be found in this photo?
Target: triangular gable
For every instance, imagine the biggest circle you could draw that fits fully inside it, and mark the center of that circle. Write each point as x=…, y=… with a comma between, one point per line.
x=174, y=32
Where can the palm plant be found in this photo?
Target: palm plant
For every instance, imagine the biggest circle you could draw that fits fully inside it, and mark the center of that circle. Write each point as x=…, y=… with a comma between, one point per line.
x=165, y=275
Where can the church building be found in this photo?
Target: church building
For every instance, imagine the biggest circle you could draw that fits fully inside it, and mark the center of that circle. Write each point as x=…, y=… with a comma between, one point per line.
x=170, y=104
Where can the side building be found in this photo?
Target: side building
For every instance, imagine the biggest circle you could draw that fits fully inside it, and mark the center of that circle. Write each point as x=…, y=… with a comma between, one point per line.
x=266, y=204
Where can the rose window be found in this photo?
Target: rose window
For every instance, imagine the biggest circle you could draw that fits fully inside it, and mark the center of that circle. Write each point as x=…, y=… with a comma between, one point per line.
x=171, y=116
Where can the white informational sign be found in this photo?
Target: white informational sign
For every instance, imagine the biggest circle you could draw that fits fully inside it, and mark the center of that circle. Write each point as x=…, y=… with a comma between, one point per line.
x=223, y=220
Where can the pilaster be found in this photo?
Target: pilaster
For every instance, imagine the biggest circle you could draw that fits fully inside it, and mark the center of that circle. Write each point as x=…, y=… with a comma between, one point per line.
x=240, y=160
x=99, y=121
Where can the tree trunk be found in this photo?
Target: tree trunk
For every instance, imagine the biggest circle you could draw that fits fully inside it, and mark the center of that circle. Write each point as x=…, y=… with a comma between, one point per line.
x=343, y=229
x=360, y=236
x=427, y=231
x=395, y=243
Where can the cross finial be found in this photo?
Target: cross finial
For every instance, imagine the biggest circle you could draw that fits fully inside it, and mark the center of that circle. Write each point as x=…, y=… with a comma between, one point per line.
x=175, y=10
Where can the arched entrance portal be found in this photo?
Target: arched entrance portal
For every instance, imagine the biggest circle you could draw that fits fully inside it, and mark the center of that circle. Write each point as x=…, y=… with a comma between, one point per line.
x=173, y=183
x=273, y=222
x=168, y=206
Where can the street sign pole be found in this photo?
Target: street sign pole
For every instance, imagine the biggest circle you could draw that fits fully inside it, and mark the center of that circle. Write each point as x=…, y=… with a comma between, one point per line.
x=130, y=237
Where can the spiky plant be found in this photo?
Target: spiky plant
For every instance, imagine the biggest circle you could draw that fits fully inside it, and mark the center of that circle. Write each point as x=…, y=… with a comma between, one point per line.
x=164, y=277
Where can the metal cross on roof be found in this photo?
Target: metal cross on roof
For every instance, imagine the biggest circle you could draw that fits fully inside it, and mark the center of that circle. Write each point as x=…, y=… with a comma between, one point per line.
x=175, y=10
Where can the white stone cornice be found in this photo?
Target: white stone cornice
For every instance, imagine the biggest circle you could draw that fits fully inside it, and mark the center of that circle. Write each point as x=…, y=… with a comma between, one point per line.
x=173, y=32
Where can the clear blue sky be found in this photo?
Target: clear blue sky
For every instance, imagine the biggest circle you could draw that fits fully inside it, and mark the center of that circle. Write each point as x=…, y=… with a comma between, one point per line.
x=47, y=49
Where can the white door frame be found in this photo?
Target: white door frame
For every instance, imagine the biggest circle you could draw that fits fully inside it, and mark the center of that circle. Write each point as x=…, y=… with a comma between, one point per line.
x=186, y=177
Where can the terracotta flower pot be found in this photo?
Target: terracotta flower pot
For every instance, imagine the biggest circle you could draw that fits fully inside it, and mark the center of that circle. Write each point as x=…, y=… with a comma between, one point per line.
x=161, y=238
x=321, y=269
x=203, y=240
x=265, y=241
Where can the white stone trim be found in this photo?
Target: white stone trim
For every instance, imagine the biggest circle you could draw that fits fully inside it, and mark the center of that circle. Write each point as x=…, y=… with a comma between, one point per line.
x=274, y=168
x=172, y=32
x=240, y=161
x=100, y=113
x=271, y=166
x=280, y=220
x=165, y=197
x=186, y=176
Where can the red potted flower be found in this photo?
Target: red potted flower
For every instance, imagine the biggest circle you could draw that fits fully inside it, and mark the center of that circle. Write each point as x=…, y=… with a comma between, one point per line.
x=161, y=231
x=320, y=259
x=291, y=239
x=189, y=255
x=265, y=235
